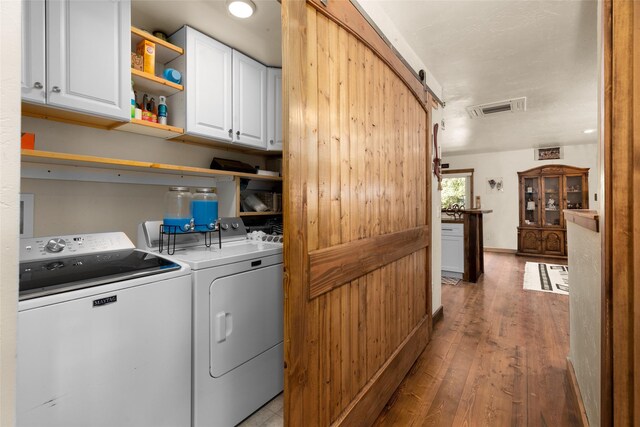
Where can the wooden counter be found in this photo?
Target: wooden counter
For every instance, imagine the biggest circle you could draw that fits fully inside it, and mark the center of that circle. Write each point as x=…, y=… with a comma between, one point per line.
x=583, y=217
x=473, y=241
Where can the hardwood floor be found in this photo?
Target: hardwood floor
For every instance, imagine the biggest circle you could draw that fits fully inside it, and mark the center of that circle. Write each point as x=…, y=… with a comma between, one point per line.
x=498, y=358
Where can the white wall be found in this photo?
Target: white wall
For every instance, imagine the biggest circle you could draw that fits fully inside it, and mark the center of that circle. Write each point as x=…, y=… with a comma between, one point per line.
x=69, y=207
x=9, y=187
x=436, y=229
x=584, y=315
x=500, y=227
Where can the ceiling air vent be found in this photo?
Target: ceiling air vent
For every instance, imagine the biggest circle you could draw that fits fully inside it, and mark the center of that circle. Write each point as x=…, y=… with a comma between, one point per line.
x=510, y=105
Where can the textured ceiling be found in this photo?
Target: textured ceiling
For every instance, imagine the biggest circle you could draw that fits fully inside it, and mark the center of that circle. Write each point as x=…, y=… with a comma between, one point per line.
x=479, y=51
x=485, y=51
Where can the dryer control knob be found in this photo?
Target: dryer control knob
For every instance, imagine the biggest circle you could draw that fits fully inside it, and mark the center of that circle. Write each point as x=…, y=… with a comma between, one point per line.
x=55, y=245
x=224, y=226
x=235, y=225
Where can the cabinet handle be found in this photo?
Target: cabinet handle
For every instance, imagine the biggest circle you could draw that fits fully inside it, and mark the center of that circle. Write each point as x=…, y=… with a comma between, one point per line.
x=271, y=141
x=230, y=132
x=238, y=134
x=37, y=85
x=55, y=89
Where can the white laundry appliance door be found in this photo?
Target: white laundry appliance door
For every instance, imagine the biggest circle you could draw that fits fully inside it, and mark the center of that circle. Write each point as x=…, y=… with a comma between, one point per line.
x=246, y=317
x=118, y=358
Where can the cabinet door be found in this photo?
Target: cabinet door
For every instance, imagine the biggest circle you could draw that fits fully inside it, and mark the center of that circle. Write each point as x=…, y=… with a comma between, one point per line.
x=530, y=241
x=577, y=195
x=553, y=242
x=33, y=79
x=88, y=59
x=552, y=201
x=208, y=87
x=274, y=109
x=453, y=248
x=249, y=102
x=530, y=207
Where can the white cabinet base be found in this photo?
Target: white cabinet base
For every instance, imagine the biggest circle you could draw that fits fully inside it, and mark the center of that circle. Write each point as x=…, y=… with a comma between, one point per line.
x=452, y=249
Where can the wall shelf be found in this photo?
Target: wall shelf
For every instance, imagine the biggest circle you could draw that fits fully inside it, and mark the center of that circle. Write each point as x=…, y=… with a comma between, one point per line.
x=49, y=157
x=153, y=85
x=260, y=213
x=150, y=129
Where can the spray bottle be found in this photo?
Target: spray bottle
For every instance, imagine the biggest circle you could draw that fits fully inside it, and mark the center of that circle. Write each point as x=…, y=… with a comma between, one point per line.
x=162, y=110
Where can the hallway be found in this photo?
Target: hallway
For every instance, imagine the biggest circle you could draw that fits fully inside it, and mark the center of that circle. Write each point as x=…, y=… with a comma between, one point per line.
x=498, y=358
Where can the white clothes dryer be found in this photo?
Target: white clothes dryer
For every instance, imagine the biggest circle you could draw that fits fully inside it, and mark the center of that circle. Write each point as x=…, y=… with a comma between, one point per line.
x=238, y=361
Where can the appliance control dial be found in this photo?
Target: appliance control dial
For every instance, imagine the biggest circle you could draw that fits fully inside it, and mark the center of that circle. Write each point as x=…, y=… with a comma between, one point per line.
x=235, y=225
x=55, y=245
x=224, y=226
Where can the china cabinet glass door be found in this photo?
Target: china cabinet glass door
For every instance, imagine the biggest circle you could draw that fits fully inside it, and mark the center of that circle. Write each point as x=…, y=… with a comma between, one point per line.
x=574, y=190
x=532, y=197
x=552, y=205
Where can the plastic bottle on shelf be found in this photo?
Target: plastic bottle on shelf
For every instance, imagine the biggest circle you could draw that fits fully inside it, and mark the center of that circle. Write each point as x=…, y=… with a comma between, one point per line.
x=204, y=209
x=145, y=108
x=177, y=213
x=153, y=110
x=133, y=102
x=162, y=110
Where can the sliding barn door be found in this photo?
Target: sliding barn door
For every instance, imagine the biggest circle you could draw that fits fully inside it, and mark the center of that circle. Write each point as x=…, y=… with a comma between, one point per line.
x=620, y=144
x=357, y=217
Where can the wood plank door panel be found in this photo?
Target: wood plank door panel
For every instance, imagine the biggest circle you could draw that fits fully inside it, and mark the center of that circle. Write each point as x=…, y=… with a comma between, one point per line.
x=356, y=166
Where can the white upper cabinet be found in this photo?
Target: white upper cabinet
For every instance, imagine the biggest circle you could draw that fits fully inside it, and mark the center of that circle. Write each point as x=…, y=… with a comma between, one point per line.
x=88, y=59
x=249, y=102
x=207, y=85
x=274, y=109
x=225, y=96
x=33, y=56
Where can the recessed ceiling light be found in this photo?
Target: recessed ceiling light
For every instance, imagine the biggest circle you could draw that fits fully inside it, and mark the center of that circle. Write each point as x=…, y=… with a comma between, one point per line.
x=241, y=8
x=589, y=131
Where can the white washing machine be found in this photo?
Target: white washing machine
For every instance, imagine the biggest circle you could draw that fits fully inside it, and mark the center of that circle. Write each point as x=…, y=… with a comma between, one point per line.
x=237, y=320
x=104, y=334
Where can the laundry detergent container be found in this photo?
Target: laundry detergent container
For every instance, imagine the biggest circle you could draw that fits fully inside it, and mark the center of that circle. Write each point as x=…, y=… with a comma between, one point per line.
x=177, y=210
x=204, y=208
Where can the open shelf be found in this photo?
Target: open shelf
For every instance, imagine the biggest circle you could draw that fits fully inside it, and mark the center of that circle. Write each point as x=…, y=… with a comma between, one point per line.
x=165, y=51
x=49, y=157
x=150, y=129
x=153, y=85
x=260, y=213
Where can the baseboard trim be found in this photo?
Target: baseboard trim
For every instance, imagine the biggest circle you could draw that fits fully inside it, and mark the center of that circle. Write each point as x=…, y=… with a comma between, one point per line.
x=367, y=405
x=500, y=250
x=438, y=315
x=575, y=391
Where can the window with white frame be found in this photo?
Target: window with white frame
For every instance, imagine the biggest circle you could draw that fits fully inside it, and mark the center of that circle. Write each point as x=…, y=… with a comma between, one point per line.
x=457, y=188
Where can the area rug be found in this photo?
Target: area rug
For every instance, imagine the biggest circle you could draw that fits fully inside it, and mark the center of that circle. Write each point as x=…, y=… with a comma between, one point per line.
x=450, y=280
x=546, y=278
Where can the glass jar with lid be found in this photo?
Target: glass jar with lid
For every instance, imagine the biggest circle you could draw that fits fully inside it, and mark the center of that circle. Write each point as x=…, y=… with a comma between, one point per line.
x=177, y=209
x=204, y=208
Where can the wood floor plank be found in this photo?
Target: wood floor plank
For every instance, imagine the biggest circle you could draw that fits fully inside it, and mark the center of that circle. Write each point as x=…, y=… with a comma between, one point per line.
x=498, y=358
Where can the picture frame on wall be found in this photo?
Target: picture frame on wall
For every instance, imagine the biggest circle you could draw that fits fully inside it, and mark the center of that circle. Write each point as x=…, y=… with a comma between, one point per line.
x=549, y=153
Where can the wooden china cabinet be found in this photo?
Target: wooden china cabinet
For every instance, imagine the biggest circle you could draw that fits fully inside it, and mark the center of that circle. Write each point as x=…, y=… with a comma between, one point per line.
x=545, y=192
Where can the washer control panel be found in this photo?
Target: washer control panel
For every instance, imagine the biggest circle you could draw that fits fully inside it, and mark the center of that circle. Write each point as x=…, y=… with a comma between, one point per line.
x=36, y=248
